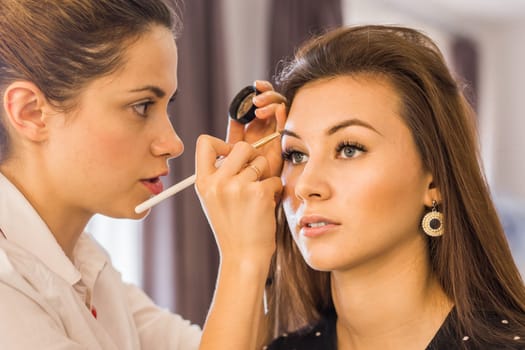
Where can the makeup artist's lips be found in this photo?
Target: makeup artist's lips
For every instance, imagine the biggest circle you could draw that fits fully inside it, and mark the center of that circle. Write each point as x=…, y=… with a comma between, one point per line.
x=315, y=226
x=153, y=184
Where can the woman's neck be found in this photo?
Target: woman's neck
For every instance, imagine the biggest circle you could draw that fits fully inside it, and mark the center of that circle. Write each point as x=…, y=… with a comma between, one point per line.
x=392, y=303
x=64, y=222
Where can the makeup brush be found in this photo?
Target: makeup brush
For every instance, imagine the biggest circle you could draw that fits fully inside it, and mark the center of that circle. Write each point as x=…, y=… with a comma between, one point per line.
x=191, y=180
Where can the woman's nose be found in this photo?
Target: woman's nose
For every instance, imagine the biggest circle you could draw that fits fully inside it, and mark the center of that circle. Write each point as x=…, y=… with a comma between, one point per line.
x=167, y=143
x=312, y=182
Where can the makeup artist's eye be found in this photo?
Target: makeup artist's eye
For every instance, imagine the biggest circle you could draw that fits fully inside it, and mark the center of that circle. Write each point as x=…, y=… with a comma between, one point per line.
x=142, y=108
x=294, y=157
x=349, y=149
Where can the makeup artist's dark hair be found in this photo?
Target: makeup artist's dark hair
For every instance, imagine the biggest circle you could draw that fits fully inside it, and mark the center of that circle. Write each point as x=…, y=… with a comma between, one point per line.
x=61, y=46
x=472, y=260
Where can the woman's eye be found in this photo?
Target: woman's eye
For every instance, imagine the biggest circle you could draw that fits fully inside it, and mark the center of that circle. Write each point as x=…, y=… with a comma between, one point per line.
x=298, y=158
x=349, y=150
x=294, y=157
x=142, y=108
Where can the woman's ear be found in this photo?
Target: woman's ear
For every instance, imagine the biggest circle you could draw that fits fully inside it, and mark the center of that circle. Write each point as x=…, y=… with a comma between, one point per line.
x=24, y=106
x=432, y=193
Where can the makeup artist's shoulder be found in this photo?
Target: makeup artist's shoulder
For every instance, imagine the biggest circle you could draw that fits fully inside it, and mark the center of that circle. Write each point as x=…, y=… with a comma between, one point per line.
x=23, y=274
x=14, y=268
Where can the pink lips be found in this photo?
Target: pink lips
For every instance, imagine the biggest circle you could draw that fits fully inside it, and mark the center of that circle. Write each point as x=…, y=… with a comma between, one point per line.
x=154, y=185
x=315, y=226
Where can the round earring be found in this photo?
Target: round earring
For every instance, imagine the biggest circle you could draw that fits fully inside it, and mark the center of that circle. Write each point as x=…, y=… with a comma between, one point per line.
x=432, y=222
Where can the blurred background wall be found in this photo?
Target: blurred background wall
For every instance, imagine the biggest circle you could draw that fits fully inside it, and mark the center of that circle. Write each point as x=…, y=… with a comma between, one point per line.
x=227, y=44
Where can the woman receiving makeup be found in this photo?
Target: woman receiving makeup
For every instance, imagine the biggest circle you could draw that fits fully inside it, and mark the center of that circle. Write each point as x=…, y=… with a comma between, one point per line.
x=84, y=129
x=387, y=237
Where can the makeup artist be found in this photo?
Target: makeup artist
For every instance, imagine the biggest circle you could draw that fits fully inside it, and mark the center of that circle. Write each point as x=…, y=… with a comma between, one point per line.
x=84, y=130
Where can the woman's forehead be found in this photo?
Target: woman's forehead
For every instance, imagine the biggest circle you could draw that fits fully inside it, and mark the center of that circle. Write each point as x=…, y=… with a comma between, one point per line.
x=322, y=105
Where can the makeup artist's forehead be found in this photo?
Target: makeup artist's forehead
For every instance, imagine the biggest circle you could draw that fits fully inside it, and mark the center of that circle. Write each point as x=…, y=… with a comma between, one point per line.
x=149, y=61
x=320, y=105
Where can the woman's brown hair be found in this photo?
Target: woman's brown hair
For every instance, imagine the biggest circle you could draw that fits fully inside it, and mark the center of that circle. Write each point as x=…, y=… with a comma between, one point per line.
x=61, y=46
x=472, y=260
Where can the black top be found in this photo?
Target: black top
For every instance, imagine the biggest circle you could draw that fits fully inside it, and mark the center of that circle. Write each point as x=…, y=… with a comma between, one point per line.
x=323, y=337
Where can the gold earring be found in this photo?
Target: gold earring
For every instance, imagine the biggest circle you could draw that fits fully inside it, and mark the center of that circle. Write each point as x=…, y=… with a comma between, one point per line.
x=432, y=222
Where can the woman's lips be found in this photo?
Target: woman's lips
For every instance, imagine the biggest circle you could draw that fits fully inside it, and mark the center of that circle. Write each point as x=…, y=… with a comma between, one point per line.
x=314, y=226
x=154, y=185
x=317, y=230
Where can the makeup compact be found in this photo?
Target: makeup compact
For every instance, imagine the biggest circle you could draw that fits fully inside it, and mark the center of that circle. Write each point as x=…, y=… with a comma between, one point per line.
x=242, y=108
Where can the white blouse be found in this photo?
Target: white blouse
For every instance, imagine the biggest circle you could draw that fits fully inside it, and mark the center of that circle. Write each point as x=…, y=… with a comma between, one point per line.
x=48, y=302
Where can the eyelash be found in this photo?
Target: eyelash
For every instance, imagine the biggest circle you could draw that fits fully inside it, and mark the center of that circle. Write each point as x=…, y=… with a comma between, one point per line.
x=146, y=105
x=354, y=145
x=289, y=153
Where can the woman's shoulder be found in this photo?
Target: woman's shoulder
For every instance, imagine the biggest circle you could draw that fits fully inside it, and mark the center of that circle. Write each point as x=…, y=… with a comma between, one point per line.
x=321, y=336
x=449, y=335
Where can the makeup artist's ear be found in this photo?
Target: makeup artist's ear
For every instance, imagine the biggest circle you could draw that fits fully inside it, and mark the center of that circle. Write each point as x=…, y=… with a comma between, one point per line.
x=432, y=193
x=24, y=104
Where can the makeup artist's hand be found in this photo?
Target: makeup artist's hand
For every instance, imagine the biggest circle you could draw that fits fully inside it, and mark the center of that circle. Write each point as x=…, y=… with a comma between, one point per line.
x=238, y=199
x=270, y=117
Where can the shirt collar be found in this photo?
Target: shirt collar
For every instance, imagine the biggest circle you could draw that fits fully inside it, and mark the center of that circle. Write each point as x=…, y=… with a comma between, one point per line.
x=22, y=226
x=90, y=258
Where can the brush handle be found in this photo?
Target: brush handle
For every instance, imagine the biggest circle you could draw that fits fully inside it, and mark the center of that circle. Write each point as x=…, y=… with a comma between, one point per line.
x=190, y=180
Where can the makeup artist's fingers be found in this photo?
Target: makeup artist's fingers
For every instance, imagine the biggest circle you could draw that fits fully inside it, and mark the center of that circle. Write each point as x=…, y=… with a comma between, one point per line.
x=256, y=170
x=240, y=156
x=254, y=130
x=263, y=85
x=242, y=216
x=266, y=112
x=208, y=149
x=274, y=185
x=268, y=97
x=234, y=200
x=266, y=103
x=272, y=150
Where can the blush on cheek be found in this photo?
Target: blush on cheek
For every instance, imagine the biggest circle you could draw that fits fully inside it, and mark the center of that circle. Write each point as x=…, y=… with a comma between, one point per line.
x=394, y=199
x=112, y=149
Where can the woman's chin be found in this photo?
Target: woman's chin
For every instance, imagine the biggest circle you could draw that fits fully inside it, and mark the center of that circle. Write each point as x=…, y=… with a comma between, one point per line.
x=320, y=263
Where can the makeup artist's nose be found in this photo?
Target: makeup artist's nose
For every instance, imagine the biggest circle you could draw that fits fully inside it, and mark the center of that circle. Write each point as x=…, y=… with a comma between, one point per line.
x=311, y=183
x=167, y=143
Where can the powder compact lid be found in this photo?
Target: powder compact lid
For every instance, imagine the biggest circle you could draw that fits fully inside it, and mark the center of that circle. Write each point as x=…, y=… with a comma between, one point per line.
x=242, y=108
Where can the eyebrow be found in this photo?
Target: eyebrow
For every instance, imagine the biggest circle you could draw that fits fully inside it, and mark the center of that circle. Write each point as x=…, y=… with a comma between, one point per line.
x=155, y=89
x=337, y=127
